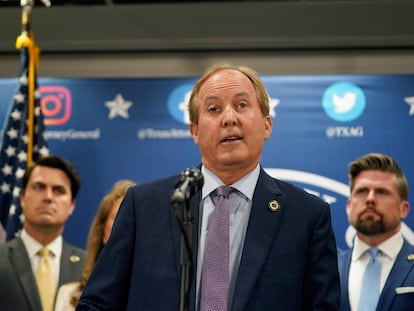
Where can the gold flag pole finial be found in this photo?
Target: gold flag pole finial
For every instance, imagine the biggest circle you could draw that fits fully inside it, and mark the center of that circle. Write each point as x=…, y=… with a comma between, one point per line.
x=22, y=40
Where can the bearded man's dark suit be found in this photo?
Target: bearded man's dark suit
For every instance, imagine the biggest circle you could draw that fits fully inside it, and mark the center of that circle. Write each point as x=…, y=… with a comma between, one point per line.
x=401, y=276
x=289, y=261
x=18, y=289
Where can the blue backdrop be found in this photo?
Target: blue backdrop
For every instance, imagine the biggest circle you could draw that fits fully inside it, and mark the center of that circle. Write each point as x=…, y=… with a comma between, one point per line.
x=114, y=129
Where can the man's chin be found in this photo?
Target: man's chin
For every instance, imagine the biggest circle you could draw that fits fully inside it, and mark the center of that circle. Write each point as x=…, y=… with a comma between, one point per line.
x=370, y=227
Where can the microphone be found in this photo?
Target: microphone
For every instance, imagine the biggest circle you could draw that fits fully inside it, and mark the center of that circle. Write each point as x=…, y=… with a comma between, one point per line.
x=190, y=182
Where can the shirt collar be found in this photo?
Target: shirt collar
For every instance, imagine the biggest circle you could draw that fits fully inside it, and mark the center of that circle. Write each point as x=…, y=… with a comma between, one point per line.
x=390, y=247
x=245, y=185
x=32, y=246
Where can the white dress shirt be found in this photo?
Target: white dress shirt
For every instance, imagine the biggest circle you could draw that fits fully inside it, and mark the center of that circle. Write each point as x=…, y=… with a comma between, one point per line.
x=389, y=250
x=32, y=247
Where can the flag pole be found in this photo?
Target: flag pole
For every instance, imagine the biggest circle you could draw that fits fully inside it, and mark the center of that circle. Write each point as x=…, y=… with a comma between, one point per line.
x=23, y=140
x=26, y=40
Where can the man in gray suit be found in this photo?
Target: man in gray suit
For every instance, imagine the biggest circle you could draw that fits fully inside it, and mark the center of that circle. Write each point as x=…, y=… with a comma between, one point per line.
x=48, y=197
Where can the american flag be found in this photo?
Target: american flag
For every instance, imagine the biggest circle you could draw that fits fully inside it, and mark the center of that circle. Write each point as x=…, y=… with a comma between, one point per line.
x=14, y=150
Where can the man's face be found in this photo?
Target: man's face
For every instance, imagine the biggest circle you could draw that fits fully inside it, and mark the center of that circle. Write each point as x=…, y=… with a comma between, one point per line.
x=375, y=207
x=231, y=130
x=47, y=201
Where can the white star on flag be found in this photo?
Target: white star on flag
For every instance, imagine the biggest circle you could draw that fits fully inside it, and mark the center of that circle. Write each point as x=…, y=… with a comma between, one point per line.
x=118, y=107
x=7, y=170
x=5, y=187
x=19, y=97
x=410, y=101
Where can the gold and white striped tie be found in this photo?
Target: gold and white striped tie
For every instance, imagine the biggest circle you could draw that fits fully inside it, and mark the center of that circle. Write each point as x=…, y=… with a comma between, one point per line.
x=45, y=279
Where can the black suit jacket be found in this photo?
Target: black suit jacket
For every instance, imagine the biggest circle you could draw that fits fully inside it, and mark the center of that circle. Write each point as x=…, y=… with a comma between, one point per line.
x=18, y=290
x=289, y=260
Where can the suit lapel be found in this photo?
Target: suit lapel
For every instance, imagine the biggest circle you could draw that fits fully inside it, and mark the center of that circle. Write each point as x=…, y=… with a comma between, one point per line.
x=398, y=274
x=344, y=261
x=21, y=264
x=261, y=231
x=69, y=264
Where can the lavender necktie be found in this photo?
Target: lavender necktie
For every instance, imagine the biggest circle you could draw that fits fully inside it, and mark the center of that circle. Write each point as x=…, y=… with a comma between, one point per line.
x=215, y=274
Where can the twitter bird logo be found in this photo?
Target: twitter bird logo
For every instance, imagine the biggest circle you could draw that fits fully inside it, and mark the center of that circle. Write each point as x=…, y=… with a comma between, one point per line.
x=343, y=101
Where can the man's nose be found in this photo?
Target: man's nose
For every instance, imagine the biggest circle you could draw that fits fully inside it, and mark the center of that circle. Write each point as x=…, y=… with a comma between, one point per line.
x=48, y=192
x=371, y=195
x=229, y=116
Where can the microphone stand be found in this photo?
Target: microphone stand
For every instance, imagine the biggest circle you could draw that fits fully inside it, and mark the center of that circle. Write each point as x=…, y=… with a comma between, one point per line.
x=186, y=222
x=191, y=181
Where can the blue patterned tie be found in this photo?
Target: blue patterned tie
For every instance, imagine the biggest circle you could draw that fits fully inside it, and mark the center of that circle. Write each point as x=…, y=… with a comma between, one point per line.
x=215, y=274
x=370, y=290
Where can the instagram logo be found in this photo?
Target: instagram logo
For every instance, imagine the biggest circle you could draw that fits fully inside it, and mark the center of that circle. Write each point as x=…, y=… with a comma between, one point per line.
x=56, y=104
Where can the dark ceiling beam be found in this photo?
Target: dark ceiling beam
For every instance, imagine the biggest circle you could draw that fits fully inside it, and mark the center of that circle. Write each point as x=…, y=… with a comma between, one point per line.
x=216, y=26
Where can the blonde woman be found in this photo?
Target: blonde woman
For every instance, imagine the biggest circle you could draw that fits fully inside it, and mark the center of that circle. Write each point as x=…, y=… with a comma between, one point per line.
x=69, y=293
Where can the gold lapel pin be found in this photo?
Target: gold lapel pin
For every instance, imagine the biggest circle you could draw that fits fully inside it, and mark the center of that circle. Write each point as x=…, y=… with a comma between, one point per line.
x=74, y=258
x=410, y=257
x=273, y=206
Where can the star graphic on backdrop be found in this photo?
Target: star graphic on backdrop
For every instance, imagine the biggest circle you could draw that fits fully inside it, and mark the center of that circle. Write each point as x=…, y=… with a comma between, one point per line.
x=118, y=107
x=273, y=102
x=410, y=101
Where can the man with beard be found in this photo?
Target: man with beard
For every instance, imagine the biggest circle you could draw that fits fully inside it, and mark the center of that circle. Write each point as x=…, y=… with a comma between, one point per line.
x=377, y=205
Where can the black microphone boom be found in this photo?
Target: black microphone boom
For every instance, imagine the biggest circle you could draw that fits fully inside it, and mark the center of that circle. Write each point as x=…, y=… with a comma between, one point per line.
x=190, y=182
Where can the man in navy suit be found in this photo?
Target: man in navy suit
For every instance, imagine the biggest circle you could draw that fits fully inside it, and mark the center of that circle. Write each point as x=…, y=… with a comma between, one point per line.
x=48, y=198
x=376, y=206
x=282, y=247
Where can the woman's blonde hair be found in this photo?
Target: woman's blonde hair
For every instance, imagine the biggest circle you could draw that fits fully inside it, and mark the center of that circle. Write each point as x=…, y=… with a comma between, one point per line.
x=95, y=244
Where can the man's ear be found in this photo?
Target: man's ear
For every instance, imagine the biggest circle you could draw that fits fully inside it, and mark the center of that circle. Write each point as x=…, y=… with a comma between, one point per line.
x=194, y=132
x=405, y=209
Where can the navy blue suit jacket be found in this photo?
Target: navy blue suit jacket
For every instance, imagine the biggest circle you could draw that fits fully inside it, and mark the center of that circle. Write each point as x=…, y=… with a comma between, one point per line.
x=401, y=275
x=289, y=260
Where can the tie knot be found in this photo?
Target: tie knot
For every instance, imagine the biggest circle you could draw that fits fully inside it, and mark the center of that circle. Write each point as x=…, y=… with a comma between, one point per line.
x=373, y=251
x=223, y=191
x=43, y=252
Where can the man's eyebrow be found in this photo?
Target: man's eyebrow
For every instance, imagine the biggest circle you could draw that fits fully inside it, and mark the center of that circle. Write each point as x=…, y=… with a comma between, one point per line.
x=58, y=186
x=53, y=186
